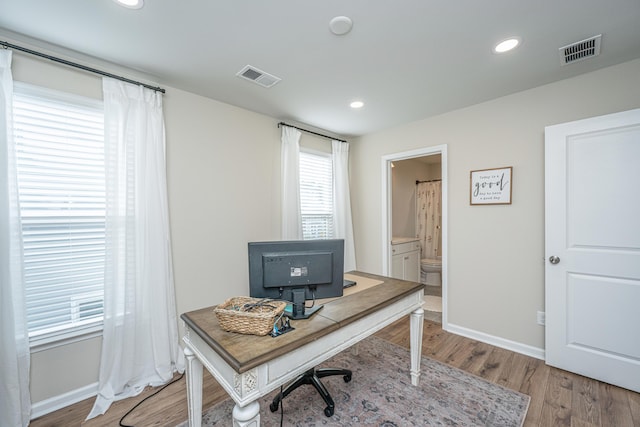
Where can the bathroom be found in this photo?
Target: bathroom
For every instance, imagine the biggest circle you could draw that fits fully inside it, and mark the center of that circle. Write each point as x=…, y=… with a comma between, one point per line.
x=416, y=227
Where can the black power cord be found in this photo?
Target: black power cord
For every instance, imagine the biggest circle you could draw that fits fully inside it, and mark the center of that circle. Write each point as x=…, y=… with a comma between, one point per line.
x=145, y=399
x=281, y=408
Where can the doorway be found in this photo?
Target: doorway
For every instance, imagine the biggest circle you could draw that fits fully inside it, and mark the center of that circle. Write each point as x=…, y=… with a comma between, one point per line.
x=387, y=214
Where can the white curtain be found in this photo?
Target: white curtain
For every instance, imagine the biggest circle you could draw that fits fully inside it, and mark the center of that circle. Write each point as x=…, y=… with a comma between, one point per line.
x=140, y=340
x=15, y=399
x=342, y=224
x=429, y=200
x=290, y=161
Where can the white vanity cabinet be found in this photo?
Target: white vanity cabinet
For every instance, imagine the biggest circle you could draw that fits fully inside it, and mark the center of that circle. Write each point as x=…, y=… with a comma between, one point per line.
x=405, y=259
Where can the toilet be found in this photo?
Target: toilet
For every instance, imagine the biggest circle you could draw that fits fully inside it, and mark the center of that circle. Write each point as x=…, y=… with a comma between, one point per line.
x=430, y=271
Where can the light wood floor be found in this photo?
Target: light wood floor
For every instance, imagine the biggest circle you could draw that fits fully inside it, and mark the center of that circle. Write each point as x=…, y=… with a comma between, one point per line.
x=558, y=398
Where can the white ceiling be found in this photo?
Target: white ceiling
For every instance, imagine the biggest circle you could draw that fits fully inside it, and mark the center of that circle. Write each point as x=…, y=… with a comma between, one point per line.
x=406, y=60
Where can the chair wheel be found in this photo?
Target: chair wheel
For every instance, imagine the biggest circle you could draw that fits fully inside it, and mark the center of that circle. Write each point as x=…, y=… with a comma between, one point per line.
x=346, y=378
x=328, y=411
x=273, y=406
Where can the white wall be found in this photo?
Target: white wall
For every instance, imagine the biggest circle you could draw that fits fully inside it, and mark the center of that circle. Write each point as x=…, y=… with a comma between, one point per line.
x=224, y=180
x=224, y=191
x=496, y=253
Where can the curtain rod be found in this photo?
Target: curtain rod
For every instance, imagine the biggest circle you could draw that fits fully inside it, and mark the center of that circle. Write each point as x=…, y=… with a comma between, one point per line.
x=431, y=180
x=76, y=65
x=310, y=131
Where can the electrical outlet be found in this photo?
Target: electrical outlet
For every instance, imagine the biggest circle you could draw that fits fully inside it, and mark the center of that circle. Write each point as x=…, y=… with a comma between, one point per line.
x=541, y=317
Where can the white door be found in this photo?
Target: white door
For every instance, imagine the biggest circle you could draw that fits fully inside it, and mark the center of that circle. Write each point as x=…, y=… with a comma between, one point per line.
x=592, y=239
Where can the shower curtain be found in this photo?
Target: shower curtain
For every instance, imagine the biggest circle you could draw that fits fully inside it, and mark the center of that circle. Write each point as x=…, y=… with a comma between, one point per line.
x=428, y=203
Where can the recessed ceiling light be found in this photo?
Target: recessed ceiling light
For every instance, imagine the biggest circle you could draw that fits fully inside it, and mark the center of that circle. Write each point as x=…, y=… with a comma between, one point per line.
x=356, y=104
x=131, y=4
x=507, y=45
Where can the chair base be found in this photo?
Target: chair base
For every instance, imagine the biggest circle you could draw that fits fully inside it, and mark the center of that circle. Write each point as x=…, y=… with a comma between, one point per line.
x=312, y=377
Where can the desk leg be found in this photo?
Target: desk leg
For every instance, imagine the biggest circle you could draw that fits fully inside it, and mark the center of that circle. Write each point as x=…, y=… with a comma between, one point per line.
x=415, y=332
x=247, y=416
x=194, y=388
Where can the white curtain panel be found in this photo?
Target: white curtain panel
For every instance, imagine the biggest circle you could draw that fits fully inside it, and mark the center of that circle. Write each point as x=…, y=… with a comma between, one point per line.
x=429, y=200
x=290, y=164
x=342, y=223
x=15, y=399
x=140, y=340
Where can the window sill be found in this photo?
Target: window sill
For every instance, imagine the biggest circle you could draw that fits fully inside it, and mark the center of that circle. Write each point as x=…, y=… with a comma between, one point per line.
x=49, y=341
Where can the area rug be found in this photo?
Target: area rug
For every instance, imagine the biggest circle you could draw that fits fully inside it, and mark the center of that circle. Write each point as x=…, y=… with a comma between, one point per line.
x=380, y=394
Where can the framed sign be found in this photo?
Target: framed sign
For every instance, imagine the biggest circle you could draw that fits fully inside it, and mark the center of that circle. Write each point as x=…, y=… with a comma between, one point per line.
x=491, y=186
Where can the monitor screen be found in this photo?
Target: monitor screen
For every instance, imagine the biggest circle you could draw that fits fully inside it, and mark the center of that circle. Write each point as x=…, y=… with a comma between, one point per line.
x=296, y=270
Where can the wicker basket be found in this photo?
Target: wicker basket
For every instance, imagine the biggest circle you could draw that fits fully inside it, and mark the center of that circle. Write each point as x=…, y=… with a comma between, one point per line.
x=251, y=316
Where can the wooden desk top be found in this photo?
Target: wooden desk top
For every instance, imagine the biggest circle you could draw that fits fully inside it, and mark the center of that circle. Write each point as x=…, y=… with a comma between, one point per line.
x=244, y=352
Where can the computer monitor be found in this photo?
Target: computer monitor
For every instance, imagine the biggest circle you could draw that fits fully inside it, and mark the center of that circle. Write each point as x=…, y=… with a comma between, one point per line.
x=297, y=271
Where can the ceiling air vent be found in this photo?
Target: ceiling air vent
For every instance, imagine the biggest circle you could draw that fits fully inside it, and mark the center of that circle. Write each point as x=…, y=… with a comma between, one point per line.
x=581, y=50
x=258, y=76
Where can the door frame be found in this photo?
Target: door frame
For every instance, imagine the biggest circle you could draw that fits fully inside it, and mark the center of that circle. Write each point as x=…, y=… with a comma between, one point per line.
x=387, y=208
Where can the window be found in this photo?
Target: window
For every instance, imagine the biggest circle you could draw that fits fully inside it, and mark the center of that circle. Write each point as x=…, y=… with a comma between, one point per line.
x=316, y=195
x=61, y=181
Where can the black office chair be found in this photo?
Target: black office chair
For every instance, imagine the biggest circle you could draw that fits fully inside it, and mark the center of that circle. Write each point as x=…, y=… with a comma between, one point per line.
x=312, y=376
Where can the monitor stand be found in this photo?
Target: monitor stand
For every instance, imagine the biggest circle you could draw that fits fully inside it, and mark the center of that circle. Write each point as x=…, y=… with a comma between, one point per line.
x=348, y=283
x=299, y=311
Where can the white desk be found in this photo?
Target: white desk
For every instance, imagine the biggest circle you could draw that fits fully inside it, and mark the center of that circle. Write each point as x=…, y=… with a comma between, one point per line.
x=249, y=367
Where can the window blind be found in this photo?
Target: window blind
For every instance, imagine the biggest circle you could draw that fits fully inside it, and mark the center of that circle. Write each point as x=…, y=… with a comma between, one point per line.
x=61, y=182
x=316, y=195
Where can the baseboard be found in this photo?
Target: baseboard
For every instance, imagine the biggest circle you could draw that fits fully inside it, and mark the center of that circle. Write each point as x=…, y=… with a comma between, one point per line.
x=525, y=349
x=52, y=404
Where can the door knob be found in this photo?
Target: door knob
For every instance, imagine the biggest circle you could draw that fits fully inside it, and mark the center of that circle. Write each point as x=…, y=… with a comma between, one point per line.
x=554, y=259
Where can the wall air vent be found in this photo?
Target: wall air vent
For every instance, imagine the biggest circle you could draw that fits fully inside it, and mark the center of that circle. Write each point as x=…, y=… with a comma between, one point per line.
x=258, y=76
x=581, y=50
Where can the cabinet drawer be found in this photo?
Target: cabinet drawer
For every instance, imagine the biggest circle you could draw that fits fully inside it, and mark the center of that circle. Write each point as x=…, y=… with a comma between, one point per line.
x=402, y=248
